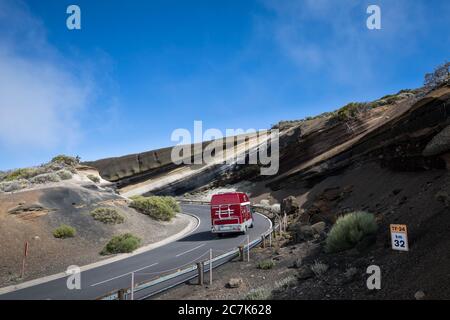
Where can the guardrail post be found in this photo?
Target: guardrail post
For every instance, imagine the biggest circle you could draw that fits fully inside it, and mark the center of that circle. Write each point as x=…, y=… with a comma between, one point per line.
x=248, y=248
x=121, y=294
x=200, y=273
x=270, y=239
x=241, y=253
x=210, y=266
x=263, y=241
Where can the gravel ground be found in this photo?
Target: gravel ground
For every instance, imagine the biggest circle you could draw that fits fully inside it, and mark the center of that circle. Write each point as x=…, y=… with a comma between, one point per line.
x=67, y=205
x=394, y=197
x=253, y=278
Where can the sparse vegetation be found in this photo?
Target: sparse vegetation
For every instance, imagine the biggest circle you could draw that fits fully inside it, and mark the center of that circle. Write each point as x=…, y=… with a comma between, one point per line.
x=286, y=124
x=266, y=264
x=285, y=283
x=67, y=160
x=258, y=294
x=64, y=231
x=172, y=203
x=350, y=272
x=45, y=178
x=24, y=173
x=124, y=243
x=351, y=110
x=10, y=186
x=64, y=174
x=93, y=178
x=349, y=230
x=265, y=293
x=319, y=268
x=389, y=99
x=159, y=208
x=438, y=77
x=107, y=215
x=60, y=168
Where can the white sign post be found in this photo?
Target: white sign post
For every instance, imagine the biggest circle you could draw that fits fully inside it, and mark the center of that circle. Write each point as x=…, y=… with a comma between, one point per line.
x=132, y=286
x=399, y=237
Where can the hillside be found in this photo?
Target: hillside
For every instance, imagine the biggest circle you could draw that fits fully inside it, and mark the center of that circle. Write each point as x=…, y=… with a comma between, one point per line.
x=388, y=157
x=37, y=201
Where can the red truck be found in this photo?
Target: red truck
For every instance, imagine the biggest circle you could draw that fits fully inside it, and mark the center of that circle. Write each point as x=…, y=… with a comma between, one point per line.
x=230, y=212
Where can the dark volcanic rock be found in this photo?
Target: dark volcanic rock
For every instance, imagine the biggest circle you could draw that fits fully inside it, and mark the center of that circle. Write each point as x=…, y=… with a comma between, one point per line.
x=290, y=205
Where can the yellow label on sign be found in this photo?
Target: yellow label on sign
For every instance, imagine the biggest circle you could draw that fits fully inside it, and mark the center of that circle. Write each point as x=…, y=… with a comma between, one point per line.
x=400, y=228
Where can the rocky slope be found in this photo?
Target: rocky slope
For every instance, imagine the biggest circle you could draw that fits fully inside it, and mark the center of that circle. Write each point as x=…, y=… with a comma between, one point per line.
x=395, y=136
x=393, y=164
x=37, y=206
x=389, y=157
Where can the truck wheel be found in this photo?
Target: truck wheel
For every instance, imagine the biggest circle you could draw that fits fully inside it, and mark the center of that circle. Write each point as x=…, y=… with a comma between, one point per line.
x=251, y=226
x=220, y=235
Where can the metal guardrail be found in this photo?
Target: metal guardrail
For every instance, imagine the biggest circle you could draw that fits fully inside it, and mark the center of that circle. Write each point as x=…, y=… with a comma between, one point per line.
x=123, y=294
x=193, y=201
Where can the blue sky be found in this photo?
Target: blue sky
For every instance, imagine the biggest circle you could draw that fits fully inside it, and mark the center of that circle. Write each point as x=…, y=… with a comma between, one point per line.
x=137, y=70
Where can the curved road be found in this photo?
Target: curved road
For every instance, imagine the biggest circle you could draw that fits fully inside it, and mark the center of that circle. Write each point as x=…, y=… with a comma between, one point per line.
x=147, y=265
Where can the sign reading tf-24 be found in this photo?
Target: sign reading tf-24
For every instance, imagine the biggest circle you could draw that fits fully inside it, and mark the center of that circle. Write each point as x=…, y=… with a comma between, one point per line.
x=399, y=237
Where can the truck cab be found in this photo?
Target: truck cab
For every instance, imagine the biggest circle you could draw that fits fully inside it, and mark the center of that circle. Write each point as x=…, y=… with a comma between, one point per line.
x=231, y=213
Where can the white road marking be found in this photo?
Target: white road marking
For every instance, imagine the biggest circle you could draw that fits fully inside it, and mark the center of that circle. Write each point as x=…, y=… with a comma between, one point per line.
x=125, y=274
x=180, y=254
x=198, y=218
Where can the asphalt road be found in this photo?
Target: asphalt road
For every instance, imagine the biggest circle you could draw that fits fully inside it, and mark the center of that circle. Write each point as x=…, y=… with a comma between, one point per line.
x=147, y=265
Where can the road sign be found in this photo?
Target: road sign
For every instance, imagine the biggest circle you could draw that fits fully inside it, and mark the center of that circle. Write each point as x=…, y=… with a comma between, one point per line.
x=399, y=237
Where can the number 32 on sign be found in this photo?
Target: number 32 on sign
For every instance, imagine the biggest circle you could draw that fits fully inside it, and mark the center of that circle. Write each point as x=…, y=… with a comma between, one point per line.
x=399, y=237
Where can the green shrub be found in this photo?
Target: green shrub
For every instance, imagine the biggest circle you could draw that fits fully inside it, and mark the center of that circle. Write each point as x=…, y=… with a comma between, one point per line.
x=10, y=186
x=64, y=231
x=64, y=174
x=60, y=167
x=319, y=268
x=350, y=110
x=123, y=243
x=258, y=294
x=172, y=202
x=159, y=208
x=67, y=160
x=285, y=283
x=266, y=264
x=45, y=178
x=349, y=230
x=107, y=215
x=93, y=178
x=24, y=173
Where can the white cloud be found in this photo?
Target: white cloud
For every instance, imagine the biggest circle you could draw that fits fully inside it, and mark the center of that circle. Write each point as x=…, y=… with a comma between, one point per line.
x=40, y=96
x=331, y=36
